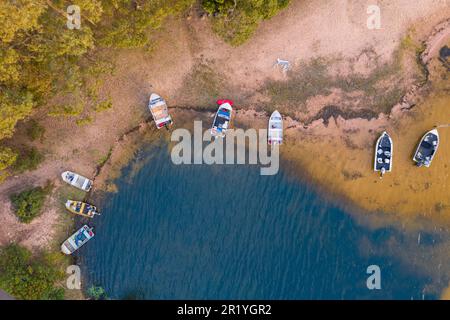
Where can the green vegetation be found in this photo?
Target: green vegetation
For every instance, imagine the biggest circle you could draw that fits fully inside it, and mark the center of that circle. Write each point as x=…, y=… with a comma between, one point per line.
x=29, y=203
x=84, y=121
x=25, y=277
x=101, y=162
x=7, y=159
x=203, y=85
x=35, y=130
x=96, y=293
x=28, y=159
x=104, y=105
x=41, y=58
x=375, y=91
x=235, y=21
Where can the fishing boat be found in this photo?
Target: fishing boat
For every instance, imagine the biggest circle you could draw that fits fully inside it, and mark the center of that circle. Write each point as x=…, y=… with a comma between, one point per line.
x=427, y=148
x=160, y=113
x=77, y=180
x=275, y=131
x=82, y=208
x=78, y=239
x=222, y=118
x=383, y=154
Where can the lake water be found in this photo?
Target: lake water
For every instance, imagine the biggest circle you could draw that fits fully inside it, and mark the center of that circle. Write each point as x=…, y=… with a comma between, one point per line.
x=226, y=232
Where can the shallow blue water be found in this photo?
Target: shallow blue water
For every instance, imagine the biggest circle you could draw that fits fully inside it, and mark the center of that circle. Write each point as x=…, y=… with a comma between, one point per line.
x=225, y=232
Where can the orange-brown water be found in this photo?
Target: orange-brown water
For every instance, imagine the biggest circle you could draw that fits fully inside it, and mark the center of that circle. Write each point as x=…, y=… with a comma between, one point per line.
x=405, y=193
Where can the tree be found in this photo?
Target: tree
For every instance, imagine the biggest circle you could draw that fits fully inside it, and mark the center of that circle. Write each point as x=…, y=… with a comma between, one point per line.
x=29, y=203
x=25, y=277
x=235, y=21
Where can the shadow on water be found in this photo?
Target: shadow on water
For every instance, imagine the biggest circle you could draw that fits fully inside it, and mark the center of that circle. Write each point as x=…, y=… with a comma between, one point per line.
x=225, y=232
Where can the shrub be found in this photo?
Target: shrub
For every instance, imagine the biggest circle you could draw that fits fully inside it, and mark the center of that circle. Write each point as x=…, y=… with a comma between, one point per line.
x=25, y=277
x=84, y=121
x=104, y=105
x=28, y=204
x=235, y=21
x=96, y=293
x=29, y=159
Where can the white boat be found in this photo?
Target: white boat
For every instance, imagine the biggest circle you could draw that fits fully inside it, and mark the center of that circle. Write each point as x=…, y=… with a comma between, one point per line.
x=383, y=154
x=222, y=119
x=159, y=110
x=275, y=130
x=78, y=239
x=82, y=208
x=427, y=148
x=77, y=180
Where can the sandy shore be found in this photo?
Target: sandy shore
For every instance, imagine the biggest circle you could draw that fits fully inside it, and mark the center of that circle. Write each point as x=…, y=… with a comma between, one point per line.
x=347, y=84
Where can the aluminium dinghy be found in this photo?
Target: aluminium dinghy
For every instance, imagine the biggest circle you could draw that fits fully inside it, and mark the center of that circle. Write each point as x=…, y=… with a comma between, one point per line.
x=81, y=208
x=275, y=130
x=427, y=148
x=383, y=154
x=159, y=110
x=76, y=180
x=222, y=118
x=78, y=239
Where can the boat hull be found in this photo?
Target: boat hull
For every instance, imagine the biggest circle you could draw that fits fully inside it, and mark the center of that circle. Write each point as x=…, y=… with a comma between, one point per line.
x=77, y=240
x=160, y=113
x=77, y=181
x=222, y=120
x=275, y=129
x=383, y=153
x=427, y=148
x=81, y=208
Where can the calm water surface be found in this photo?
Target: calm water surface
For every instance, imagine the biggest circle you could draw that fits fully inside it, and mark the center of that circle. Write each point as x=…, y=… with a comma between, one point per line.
x=225, y=232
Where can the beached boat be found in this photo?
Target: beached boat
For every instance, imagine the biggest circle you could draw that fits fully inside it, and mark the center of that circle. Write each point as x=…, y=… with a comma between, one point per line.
x=160, y=113
x=77, y=180
x=222, y=119
x=79, y=238
x=82, y=208
x=383, y=154
x=275, y=131
x=427, y=148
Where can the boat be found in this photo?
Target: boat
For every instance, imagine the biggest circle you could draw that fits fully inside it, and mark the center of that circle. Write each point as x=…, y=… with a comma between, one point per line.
x=160, y=113
x=77, y=180
x=78, y=239
x=275, y=131
x=222, y=118
x=82, y=208
x=383, y=154
x=427, y=148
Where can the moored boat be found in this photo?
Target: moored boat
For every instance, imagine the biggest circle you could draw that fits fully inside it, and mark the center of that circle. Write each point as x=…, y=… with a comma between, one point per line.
x=159, y=110
x=427, y=148
x=78, y=239
x=275, y=130
x=383, y=154
x=82, y=208
x=77, y=180
x=222, y=118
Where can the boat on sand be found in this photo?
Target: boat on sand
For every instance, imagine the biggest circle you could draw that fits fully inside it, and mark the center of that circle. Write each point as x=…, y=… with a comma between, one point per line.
x=427, y=148
x=383, y=154
x=76, y=180
x=159, y=110
x=275, y=130
x=82, y=208
x=222, y=118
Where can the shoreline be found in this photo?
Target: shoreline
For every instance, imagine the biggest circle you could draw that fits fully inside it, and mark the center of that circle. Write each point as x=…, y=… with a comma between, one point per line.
x=121, y=143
